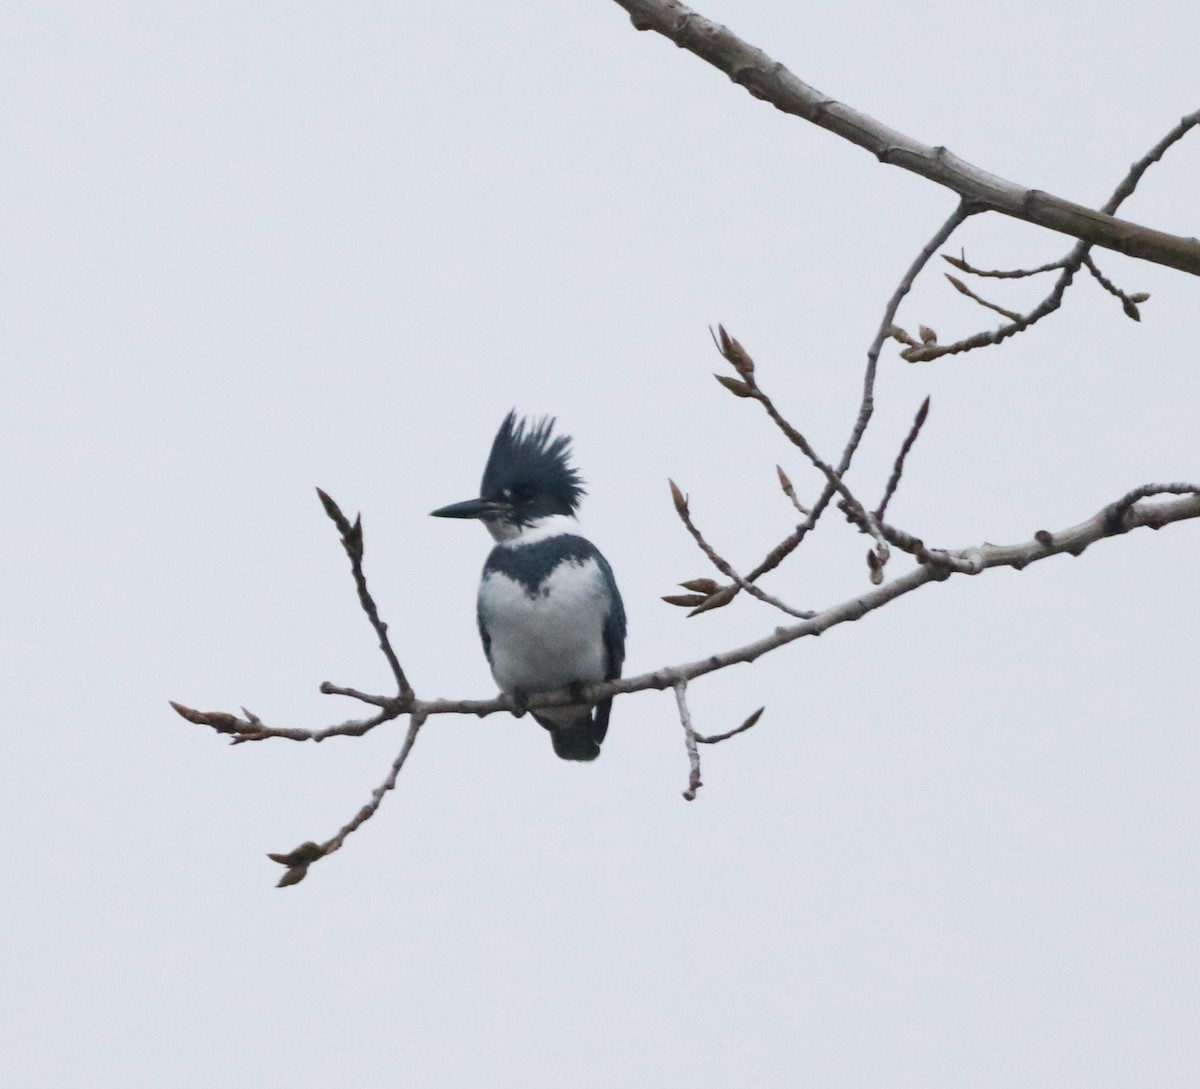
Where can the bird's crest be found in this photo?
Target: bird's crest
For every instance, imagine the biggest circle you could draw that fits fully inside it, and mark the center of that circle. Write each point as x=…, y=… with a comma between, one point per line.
x=528, y=461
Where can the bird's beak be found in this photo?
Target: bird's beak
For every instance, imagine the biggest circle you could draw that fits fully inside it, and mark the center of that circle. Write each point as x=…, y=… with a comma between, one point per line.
x=470, y=508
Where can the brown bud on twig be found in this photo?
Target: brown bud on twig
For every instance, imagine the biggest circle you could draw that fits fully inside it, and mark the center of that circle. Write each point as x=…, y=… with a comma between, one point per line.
x=331, y=508
x=297, y=862
x=221, y=721
x=715, y=601
x=786, y=484
x=715, y=738
x=685, y=601
x=354, y=536
x=198, y=717
x=956, y=262
x=304, y=854
x=738, y=389
x=896, y=333
x=735, y=353
x=702, y=586
x=1131, y=309
x=678, y=498
x=751, y=720
x=928, y=336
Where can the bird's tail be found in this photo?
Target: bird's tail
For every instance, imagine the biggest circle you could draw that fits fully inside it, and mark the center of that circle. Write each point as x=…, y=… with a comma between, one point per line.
x=578, y=739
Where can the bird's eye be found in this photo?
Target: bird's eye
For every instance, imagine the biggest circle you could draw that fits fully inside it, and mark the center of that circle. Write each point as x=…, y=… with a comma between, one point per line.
x=507, y=493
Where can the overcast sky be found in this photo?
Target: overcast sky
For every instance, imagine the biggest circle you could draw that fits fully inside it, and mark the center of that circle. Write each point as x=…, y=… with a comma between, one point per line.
x=252, y=248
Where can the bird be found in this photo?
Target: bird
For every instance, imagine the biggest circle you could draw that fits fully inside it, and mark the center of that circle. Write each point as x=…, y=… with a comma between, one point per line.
x=549, y=612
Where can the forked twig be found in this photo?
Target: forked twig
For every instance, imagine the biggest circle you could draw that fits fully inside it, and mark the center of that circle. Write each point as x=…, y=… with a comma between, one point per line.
x=866, y=408
x=299, y=860
x=1078, y=256
x=708, y=600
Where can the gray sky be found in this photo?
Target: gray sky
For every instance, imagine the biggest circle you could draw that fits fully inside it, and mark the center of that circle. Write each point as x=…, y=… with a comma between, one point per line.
x=252, y=248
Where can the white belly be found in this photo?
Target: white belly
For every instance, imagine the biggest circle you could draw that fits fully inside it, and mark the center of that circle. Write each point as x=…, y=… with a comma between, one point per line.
x=550, y=639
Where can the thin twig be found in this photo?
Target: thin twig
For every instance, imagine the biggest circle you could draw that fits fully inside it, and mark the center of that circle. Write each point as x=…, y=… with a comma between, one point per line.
x=330, y=689
x=962, y=288
x=898, y=467
x=299, y=860
x=1117, y=514
x=689, y=740
x=789, y=490
x=867, y=405
x=352, y=542
x=961, y=264
x=1129, y=303
x=923, y=353
x=713, y=739
x=748, y=387
x=724, y=566
x=1069, y=264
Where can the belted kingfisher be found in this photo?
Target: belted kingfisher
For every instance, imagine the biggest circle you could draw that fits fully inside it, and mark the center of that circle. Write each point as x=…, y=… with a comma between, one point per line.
x=549, y=612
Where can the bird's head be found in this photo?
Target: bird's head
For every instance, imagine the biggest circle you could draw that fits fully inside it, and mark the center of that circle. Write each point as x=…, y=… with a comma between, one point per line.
x=528, y=478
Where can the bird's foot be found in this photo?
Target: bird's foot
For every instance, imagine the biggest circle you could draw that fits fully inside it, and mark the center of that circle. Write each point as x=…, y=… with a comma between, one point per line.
x=520, y=701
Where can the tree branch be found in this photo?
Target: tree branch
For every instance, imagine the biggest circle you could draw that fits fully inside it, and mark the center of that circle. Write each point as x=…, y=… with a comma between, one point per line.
x=866, y=408
x=1126, y=514
x=898, y=466
x=689, y=740
x=299, y=860
x=770, y=81
x=352, y=542
x=1069, y=265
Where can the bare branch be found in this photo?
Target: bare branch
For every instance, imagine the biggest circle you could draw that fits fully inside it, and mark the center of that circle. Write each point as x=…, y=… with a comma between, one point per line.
x=717, y=597
x=786, y=484
x=961, y=264
x=749, y=388
x=1117, y=515
x=352, y=542
x=898, y=467
x=1069, y=266
x=1126, y=514
x=769, y=80
x=923, y=353
x=887, y=329
x=1129, y=303
x=251, y=728
x=963, y=289
x=299, y=860
x=689, y=740
x=713, y=739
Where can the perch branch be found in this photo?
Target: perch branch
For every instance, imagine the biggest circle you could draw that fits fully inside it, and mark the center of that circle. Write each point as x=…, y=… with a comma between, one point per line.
x=1124, y=515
